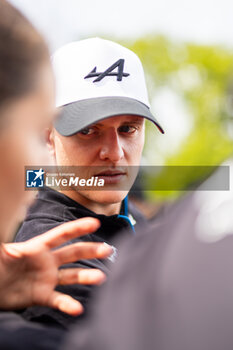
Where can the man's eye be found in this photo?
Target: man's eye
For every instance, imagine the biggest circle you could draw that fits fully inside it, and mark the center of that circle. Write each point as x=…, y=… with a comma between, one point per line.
x=86, y=131
x=127, y=129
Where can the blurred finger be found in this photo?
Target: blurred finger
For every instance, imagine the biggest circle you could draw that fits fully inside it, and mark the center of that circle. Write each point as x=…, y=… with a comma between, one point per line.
x=82, y=250
x=66, y=232
x=80, y=276
x=65, y=303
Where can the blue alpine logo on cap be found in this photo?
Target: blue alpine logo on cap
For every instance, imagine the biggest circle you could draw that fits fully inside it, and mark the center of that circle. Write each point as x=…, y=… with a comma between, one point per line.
x=109, y=72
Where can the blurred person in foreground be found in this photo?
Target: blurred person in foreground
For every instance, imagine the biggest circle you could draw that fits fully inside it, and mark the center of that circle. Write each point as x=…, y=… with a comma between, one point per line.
x=30, y=271
x=103, y=103
x=175, y=288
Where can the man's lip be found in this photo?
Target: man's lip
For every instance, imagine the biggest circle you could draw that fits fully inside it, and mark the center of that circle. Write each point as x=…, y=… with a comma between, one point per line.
x=111, y=177
x=111, y=173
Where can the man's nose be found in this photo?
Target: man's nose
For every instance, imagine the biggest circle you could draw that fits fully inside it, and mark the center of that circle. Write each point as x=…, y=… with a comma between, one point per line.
x=111, y=147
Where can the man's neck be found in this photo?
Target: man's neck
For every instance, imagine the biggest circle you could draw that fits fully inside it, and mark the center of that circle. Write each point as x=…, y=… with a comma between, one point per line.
x=98, y=208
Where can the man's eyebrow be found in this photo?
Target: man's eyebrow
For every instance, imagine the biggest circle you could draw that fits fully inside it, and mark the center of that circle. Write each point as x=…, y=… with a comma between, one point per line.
x=96, y=124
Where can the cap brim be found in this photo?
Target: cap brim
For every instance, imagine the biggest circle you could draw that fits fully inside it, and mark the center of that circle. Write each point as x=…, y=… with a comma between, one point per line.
x=75, y=116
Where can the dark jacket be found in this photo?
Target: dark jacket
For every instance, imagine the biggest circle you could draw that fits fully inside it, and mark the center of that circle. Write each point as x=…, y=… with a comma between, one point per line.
x=17, y=333
x=174, y=291
x=52, y=209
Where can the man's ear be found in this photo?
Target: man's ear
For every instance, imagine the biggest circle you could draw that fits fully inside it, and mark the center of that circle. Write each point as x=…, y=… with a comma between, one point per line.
x=49, y=137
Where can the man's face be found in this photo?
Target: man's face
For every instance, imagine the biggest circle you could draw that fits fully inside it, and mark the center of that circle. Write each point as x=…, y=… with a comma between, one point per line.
x=112, y=144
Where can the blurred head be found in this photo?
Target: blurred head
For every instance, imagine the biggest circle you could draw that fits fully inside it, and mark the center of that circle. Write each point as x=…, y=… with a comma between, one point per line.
x=26, y=106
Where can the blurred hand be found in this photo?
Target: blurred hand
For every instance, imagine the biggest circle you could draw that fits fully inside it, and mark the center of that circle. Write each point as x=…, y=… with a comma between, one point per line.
x=29, y=271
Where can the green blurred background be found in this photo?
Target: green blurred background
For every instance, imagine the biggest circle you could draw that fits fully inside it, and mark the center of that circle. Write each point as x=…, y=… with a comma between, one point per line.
x=194, y=85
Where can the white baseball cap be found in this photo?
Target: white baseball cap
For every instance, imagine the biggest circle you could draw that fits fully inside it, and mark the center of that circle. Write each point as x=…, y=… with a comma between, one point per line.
x=97, y=79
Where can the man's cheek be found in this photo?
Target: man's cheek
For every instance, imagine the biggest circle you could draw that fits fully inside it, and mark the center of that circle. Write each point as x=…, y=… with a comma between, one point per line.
x=135, y=153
